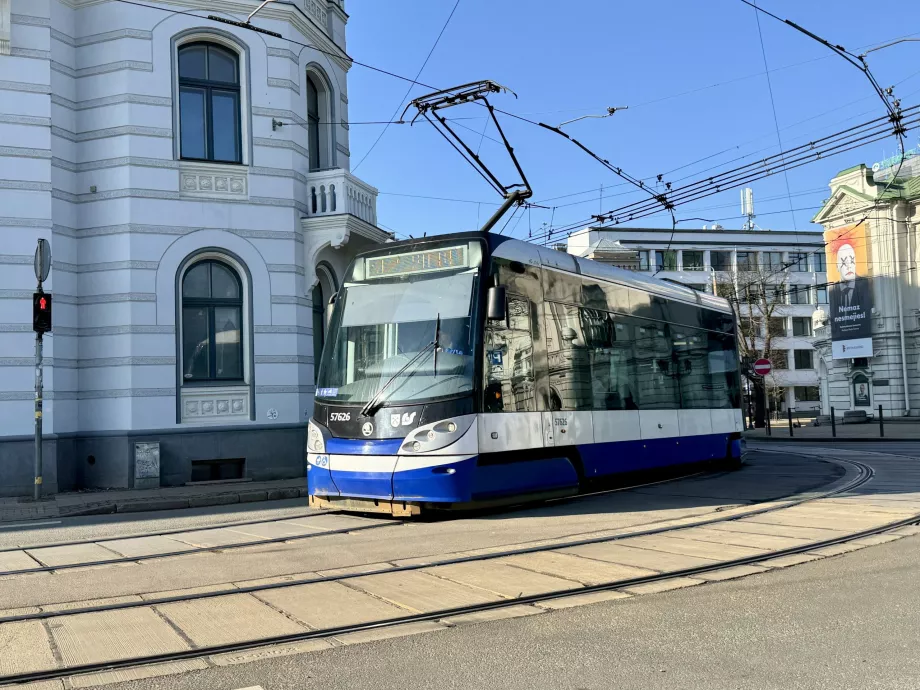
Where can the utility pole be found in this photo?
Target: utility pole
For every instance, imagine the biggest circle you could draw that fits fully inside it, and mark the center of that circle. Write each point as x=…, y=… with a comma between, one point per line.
x=41, y=323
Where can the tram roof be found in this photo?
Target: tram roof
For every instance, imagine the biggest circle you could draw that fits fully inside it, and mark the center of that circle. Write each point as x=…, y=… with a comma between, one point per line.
x=531, y=253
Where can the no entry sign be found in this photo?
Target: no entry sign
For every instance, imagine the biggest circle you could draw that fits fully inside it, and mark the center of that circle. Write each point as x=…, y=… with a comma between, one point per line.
x=762, y=367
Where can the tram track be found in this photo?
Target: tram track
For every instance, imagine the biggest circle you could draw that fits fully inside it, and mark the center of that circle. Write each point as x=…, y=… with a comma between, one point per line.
x=33, y=551
x=864, y=474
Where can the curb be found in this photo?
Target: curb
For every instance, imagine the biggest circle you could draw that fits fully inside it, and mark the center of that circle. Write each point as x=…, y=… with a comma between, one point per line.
x=200, y=501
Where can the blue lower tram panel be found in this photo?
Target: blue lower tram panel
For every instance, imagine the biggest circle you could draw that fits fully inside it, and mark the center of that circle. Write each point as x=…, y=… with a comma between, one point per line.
x=479, y=478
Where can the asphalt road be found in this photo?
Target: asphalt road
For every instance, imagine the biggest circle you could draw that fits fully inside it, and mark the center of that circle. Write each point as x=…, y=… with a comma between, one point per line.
x=843, y=622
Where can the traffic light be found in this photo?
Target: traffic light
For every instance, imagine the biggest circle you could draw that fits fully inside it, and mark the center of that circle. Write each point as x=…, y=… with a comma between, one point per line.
x=41, y=312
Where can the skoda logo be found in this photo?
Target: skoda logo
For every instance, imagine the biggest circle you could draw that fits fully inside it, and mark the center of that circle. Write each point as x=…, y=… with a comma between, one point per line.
x=367, y=429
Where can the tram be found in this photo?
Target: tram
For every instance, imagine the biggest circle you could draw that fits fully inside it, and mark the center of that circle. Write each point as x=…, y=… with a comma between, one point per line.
x=473, y=369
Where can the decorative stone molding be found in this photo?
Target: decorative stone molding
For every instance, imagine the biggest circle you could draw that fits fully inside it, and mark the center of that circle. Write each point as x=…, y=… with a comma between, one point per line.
x=211, y=405
x=213, y=181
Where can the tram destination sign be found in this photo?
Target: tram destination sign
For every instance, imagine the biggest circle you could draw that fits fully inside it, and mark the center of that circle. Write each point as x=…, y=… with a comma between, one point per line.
x=762, y=367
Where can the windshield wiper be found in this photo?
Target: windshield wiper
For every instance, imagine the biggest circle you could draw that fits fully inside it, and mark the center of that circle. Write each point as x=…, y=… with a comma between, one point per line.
x=376, y=401
x=437, y=343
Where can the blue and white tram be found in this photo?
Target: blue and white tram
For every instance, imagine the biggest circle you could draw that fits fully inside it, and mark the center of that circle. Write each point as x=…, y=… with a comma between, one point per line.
x=472, y=369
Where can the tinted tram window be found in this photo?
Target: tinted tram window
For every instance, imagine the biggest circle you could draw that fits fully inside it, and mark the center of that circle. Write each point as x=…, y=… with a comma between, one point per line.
x=509, y=372
x=568, y=354
x=655, y=368
x=691, y=367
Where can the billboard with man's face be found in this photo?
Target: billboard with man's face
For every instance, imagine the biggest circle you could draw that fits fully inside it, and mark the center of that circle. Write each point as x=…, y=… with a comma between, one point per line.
x=849, y=292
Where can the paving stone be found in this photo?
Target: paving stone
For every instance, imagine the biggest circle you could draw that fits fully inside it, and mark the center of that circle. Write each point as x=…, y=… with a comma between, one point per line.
x=71, y=605
x=212, y=538
x=663, y=586
x=233, y=618
x=274, y=530
x=390, y=632
x=147, y=546
x=262, y=653
x=68, y=555
x=493, y=615
x=768, y=542
x=582, y=599
x=791, y=559
x=502, y=579
x=330, y=604
x=17, y=560
x=639, y=558
x=838, y=549
x=353, y=569
x=879, y=539
x=276, y=580
x=800, y=519
x=808, y=533
x=25, y=648
x=908, y=531
x=731, y=573
x=585, y=570
x=326, y=521
x=88, y=638
x=205, y=589
x=94, y=680
x=419, y=591
x=687, y=546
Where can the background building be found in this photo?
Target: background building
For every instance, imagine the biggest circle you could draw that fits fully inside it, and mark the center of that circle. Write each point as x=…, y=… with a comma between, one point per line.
x=779, y=275
x=192, y=178
x=885, y=217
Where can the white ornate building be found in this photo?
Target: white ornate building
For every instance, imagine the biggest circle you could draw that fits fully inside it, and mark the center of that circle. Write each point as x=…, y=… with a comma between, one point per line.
x=192, y=178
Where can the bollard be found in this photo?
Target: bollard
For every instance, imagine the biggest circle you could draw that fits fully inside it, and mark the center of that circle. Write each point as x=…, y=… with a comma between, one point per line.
x=881, y=422
x=790, y=421
x=833, y=424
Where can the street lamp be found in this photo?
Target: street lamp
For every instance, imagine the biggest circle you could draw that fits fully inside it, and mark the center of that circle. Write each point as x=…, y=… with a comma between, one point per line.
x=249, y=18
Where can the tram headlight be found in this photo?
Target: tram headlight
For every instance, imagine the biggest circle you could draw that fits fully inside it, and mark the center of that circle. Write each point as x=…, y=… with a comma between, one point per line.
x=315, y=442
x=437, y=435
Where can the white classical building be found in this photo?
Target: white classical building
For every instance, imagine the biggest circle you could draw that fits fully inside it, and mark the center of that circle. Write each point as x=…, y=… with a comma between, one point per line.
x=192, y=178
x=713, y=255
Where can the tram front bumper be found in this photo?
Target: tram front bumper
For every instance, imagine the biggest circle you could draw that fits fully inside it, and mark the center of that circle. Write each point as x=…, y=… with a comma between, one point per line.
x=431, y=479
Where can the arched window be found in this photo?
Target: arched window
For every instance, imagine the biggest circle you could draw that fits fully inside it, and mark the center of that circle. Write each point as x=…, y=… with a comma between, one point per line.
x=209, y=103
x=313, y=120
x=212, y=323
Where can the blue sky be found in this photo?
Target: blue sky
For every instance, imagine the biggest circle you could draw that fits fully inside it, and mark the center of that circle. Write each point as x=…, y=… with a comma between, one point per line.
x=565, y=59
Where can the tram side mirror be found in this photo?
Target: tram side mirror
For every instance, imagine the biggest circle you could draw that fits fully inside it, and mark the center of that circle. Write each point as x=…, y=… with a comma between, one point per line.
x=496, y=303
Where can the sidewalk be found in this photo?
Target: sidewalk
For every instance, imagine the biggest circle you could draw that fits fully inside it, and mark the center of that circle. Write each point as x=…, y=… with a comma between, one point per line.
x=895, y=430
x=72, y=504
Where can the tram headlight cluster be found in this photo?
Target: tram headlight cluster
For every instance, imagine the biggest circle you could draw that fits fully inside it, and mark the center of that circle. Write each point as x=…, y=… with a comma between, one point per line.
x=435, y=436
x=315, y=441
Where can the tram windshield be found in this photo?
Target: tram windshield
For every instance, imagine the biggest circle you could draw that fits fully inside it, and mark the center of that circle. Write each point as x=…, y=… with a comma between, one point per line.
x=405, y=340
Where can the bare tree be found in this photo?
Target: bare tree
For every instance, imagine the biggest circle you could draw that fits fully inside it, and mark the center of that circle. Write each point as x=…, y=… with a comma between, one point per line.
x=755, y=293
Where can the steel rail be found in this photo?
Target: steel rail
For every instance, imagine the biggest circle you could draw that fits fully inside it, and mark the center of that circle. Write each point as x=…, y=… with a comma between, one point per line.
x=865, y=474
x=165, y=533
x=83, y=669
x=186, y=552
x=274, y=540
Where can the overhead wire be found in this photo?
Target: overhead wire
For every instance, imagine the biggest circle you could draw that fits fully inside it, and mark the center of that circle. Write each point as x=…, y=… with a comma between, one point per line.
x=411, y=86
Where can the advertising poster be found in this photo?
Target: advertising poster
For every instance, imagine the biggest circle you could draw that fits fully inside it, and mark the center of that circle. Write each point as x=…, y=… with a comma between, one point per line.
x=849, y=291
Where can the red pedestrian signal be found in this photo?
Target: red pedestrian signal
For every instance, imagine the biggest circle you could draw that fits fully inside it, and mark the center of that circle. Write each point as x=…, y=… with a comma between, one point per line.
x=41, y=312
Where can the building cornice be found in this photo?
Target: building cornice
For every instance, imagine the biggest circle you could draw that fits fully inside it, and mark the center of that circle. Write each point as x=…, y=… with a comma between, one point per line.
x=282, y=11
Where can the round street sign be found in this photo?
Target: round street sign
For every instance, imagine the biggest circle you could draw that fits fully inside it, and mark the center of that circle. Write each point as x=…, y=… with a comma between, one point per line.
x=42, y=262
x=762, y=367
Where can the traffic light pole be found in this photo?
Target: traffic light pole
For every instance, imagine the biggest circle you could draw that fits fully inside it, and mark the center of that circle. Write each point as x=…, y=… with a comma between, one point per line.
x=38, y=414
